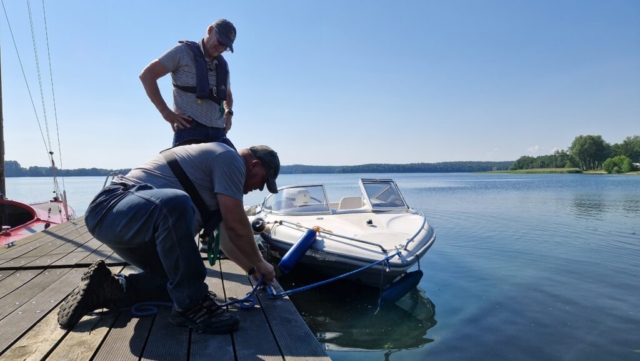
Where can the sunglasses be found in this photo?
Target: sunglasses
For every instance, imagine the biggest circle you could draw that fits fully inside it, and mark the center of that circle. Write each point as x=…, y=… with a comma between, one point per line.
x=218, y=42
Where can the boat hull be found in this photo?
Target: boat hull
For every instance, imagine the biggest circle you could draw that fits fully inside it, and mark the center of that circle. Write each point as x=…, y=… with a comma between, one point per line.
x=20, y=220
x=334, y=256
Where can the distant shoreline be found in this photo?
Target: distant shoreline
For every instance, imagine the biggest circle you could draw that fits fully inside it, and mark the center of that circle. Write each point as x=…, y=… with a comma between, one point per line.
x=556, y=171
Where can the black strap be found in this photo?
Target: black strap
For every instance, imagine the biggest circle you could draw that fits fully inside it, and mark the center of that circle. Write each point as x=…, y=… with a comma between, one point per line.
x=210, y=219
x=193, y=90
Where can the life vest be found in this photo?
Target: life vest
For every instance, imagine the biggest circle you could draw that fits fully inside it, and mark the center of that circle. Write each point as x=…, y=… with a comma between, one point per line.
x=202, y=89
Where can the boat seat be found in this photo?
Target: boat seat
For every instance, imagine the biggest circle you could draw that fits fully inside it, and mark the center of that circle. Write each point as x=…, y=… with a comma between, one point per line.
x=350, y=203
x=302, y=198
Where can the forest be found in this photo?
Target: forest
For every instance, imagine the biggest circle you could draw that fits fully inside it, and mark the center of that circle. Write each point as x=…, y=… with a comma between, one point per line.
x=589, y=152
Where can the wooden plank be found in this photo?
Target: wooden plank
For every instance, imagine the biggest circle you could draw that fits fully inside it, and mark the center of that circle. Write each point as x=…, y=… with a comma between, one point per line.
x=29, y=290
x=14, y=280
x=16, y=263
x=38, y=236
x=101, y=252
x=53, y=247
x=71, y=229
x=46, y=259
x=166, y=341
x=89, y=244
x=205, y=346
x=38, y=342
x=83, y=341
x=126, y=340
x=4, y=274
x=295, y=339
x=253, y=340
x=22, y=319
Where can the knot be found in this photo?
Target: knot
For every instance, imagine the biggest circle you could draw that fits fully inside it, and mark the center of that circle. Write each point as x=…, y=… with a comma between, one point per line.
x=317, y=229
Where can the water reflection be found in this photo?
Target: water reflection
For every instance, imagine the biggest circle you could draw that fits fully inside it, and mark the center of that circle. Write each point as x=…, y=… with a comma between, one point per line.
x=346, y=317
x=589, y=206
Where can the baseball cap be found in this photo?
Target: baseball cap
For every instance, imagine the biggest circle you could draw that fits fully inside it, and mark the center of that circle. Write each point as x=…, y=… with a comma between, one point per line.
x=271, y=163
x=226, y=32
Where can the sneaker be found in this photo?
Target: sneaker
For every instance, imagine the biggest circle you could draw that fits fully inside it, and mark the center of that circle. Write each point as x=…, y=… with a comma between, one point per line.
x=207, y=317
x=99, y=289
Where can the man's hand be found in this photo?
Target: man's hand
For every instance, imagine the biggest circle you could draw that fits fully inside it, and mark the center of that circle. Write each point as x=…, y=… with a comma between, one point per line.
x=227, y=121
x=266, y=270
x=177, y=121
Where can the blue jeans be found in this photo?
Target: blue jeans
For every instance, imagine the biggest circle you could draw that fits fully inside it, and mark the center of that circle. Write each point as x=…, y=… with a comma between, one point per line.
x=200, y=133
x=152, y=229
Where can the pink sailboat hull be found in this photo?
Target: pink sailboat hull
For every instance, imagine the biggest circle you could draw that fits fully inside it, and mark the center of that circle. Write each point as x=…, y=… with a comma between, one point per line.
x=20, y=220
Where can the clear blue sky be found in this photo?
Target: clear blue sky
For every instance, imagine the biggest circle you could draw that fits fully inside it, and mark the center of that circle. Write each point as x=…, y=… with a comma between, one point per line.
x=334, y=82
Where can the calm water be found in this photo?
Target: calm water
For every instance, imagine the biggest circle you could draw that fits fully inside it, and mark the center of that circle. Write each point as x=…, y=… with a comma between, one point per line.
x=525, y=267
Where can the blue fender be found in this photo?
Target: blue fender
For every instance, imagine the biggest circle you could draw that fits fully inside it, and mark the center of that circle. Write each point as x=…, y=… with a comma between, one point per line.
x=401, y=287
x=296, y=251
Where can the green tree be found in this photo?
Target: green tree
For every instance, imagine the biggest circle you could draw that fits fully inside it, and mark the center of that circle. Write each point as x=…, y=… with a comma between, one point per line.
x=618, y=164
x=591, y=151
x=630, y=147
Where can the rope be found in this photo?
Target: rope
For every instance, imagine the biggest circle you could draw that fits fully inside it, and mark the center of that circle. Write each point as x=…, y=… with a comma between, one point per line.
x=272, y=294
x=143, y=309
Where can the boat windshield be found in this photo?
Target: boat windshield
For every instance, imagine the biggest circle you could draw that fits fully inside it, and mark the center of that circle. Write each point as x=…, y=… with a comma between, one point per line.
x=383, y=193
x=298, y=199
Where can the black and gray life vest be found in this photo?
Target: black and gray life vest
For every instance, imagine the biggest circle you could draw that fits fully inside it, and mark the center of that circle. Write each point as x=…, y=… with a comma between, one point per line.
x=202, y=89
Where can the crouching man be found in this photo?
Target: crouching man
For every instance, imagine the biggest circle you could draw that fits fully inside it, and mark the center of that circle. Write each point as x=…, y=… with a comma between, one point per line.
x=150, y=218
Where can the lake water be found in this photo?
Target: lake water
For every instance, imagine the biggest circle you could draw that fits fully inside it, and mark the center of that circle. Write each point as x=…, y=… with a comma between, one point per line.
x=525, y=267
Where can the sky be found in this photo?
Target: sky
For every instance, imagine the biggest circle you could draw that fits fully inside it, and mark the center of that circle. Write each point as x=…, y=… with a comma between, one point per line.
x=328, y=82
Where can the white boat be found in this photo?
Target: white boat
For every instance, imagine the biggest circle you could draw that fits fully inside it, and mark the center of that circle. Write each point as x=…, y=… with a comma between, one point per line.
x=352, y=233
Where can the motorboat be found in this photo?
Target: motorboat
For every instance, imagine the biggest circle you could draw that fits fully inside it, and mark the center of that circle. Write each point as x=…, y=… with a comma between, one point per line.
x=372, y=238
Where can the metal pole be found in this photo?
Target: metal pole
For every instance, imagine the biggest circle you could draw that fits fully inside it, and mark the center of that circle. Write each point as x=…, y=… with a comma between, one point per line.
x=3, y=192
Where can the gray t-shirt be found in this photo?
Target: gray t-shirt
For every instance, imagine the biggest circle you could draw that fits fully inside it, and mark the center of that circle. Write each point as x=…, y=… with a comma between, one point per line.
x=214, y=168
x=180, y=62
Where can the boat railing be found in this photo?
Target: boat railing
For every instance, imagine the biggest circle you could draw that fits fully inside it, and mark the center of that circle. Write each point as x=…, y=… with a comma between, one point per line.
x=406, y=245
x=298, y=225
x=112, y=175
x=424, y=221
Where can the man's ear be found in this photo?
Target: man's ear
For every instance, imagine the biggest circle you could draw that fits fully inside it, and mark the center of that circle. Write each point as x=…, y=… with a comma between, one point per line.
x=255, y=163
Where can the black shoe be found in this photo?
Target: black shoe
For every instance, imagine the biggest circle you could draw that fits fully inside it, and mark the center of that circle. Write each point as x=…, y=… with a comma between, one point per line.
x=207, y=317
x=99, y=289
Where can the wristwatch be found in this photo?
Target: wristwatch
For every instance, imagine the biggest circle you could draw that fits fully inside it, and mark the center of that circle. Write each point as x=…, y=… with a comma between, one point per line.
x=230, y=112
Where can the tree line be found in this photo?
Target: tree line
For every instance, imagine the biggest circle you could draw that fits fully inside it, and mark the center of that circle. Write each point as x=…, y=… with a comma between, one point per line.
x=443, y=167
x=588, y=152
x=13, y=169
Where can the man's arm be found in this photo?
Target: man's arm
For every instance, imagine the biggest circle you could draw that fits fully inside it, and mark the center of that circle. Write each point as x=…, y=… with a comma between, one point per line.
x=228, y=105
x=241, y=248
x=149, y=78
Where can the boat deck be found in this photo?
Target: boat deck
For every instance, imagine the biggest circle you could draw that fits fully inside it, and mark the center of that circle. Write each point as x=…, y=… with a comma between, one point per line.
x=41, y=270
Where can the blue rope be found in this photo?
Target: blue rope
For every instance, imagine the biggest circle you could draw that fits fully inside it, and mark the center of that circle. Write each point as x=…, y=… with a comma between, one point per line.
x=143, y=309
x=273, y=294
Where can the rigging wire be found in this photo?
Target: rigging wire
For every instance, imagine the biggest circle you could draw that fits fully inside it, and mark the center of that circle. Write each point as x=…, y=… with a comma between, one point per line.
x=24, y=75
x=53, y=93
x=47, y=140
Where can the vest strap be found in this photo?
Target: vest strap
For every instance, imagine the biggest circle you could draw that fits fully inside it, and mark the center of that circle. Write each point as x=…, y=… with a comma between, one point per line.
x=210, y=219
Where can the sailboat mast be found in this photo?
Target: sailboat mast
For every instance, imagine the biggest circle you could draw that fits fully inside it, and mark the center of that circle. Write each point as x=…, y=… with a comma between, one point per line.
x=3, y=192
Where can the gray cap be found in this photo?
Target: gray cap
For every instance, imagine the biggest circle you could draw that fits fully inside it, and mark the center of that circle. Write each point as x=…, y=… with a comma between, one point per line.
x=226, y=32
x=271, y=163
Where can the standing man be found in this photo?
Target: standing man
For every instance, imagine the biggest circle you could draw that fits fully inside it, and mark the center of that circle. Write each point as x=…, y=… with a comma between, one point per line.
x=202, y=99
x=150, y=218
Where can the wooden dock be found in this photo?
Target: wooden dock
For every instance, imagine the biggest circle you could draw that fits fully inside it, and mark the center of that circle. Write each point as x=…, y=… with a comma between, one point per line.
x=41, y=270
